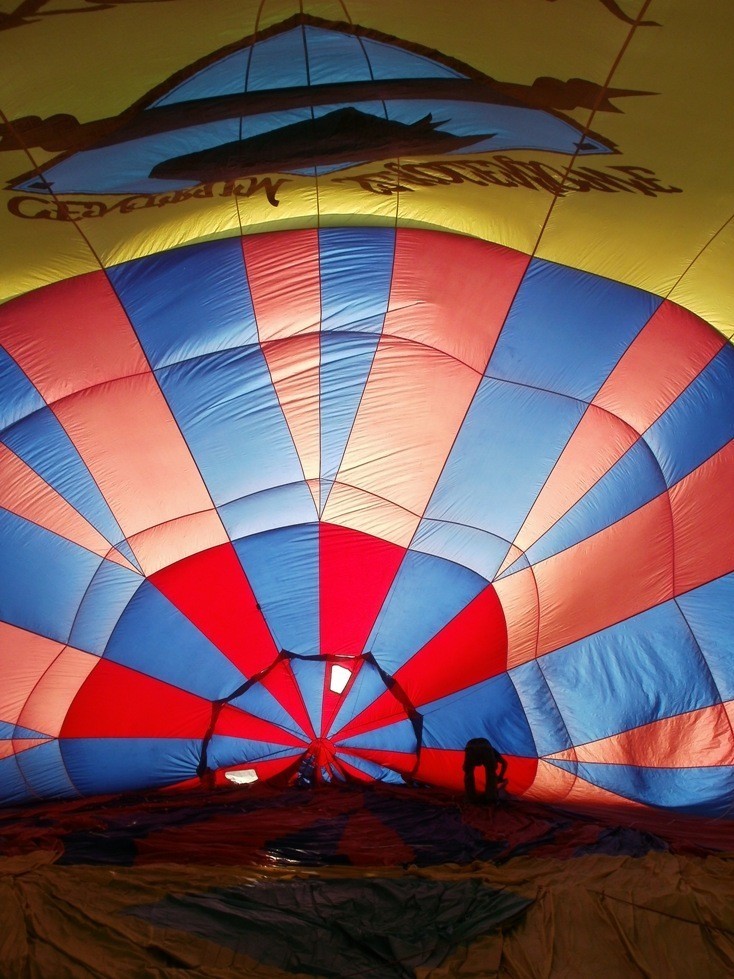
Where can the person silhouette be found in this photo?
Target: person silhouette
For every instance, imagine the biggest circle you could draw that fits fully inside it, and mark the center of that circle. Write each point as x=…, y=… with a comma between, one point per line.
x=479, y=753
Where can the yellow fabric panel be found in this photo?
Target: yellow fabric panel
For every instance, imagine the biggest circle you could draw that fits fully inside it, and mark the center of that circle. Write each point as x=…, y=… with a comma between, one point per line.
x=650, y=215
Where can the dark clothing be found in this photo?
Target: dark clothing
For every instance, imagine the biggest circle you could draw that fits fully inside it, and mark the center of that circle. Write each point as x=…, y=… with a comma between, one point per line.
x=480, y=753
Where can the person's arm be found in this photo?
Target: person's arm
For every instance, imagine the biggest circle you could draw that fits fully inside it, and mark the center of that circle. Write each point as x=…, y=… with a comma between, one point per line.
x=503, y=765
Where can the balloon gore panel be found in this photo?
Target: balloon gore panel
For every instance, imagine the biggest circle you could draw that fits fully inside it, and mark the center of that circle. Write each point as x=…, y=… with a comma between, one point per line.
x=337, y=501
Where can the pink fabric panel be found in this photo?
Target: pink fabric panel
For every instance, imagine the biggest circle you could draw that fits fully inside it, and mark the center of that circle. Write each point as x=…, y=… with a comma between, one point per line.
x=703, y=511
x=611, y=576
x=599, y=441
x=294, y=369
x=284, y=277
x=126, y=435
x=23, y=492
x=400, y=442
x=691, y=740
x=357, y=509
x=452, y=293
x=665, y=357
x=52, y=696
x=178, y=538
x=71, y=336
x=24, y=658
x=518, y=595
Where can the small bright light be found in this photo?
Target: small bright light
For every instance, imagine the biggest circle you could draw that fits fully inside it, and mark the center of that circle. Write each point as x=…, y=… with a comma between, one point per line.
x=243, y=777
x=339, y=678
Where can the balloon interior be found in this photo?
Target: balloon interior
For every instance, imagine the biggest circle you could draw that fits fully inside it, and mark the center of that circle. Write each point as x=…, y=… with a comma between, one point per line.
x=366, y=388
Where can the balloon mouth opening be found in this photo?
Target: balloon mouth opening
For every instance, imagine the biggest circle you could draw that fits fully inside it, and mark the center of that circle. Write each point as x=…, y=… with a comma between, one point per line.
x=328, y=745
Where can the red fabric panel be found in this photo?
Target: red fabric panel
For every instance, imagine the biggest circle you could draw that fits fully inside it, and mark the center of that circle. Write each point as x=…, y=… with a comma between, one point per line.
x=213, y=592
x=355, y=574
x=469, y=649
x=269, y=768
x=380, y=713
x=703, y=513
x=117, y=702
x=281, y=683
x=235, y=723
x=472, y=647
x=331, y=701
x=398, y=761
x=444, y=769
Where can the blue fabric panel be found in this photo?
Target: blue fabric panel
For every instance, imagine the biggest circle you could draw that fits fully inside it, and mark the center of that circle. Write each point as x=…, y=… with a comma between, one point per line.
x=356, y=272
x=368, y=686
x=281, y=506
x=188, y=302
x=43, y=769
x=310, y=676
x=124, y=548
x=391, y=61
x=699, y=423
x=567, y=329
x=278, y=62
x=472, y=548
x=694, y=791
x=491, y=709
x=391, y=737
x=630, y=484
x=345, y=367
x=335, y=57
x=100, y=765
x=540, y=709
x=42, y=443
x=497, y=127
x=224, y=77
x=638, y=671
x=105, y=600
x=153, y=637
x=259, y=702
x=124, y=168
x=44, y=577
x=522, y=562
x=9, y=731
x=507, y=446
x=371, y=768
x=426, y=594
x=325, y=487
x=19, y=396
x=709, y=613
x=282, y=567
x=269, y=122
x=13, y=787
x=224, y=751
x=233, y=423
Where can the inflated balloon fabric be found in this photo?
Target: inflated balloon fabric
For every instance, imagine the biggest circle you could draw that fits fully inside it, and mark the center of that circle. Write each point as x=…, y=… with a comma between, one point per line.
x=309, y=468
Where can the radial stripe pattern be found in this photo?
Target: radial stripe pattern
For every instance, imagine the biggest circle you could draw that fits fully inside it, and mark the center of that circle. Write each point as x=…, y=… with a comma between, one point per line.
x=351, y=497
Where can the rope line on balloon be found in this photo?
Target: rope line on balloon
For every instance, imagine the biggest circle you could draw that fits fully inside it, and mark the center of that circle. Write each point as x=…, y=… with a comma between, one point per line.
x=206, y=774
